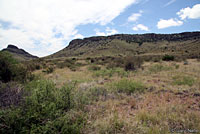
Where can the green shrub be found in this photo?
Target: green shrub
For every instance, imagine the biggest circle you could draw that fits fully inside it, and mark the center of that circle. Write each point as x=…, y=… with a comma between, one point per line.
x=183, y=80
x=47, y=109
x=168, y=58
x=11, y=69
x=128, y=86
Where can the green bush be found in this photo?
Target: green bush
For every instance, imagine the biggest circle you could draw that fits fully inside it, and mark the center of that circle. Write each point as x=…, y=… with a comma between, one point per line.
x=183, y=80
x=47, y=109
x=168, y=58
x=128, y=86
x=11, y=69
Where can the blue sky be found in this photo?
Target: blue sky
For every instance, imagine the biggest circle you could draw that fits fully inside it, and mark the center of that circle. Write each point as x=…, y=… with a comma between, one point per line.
x=47, y=26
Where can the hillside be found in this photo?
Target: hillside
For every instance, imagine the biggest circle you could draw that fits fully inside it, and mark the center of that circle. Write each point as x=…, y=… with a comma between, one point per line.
x=187, y=44
x=19, y=54
x=120, y=84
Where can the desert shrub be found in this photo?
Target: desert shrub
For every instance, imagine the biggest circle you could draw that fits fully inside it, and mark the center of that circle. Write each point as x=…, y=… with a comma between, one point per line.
x=183, y=80
x=156, y=59
x=159, y=67
x=177, y=66
x=69, y=63
x=31, y=66
x=92, y=60
x=94, y=68
x=11, y=69
x=128, y=86
x=50, y=70
x=132, y=63
x=168, y=58
x=47, y=109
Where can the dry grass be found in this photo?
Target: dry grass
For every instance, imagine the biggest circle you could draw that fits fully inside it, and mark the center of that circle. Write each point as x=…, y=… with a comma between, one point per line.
x=162, y=108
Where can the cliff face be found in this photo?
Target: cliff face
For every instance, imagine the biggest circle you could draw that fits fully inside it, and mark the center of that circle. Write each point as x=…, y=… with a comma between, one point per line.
x=137, y=38
x=127, y=44
x=19, y=53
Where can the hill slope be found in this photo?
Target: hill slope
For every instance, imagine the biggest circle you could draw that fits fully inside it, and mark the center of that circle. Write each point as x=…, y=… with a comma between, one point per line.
x=187, y=43
x=19, y=54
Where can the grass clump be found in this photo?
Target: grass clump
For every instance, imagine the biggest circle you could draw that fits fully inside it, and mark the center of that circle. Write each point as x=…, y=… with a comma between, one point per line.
x=112, y=125
x=47, y=109
x=183, y=80
x=158, y=68
x=111, y=72
x=128, y=86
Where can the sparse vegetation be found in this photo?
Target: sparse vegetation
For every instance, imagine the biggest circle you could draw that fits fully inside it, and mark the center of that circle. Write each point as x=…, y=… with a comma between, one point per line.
x=128, y=86
x=123, y=84
x=183, y=80
x=159, y=67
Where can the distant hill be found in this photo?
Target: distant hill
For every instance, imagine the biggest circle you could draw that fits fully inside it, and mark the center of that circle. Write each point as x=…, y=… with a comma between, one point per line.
x=187, y=43
x=19, y=54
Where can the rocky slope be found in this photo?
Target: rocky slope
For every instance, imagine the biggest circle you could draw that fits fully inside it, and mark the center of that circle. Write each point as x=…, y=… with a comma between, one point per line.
x=19, y=53
x=187, y=43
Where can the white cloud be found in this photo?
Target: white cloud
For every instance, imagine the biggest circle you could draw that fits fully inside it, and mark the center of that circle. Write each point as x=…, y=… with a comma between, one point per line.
x=41, y=20
x=78, y=36
x=169, y=3
x=190, y=13
x=107, y=32
x=135, y=16
x=168, y=23
x=140, y=27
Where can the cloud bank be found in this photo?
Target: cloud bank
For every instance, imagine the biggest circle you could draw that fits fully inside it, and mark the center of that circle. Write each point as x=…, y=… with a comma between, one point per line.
x=45, y=26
